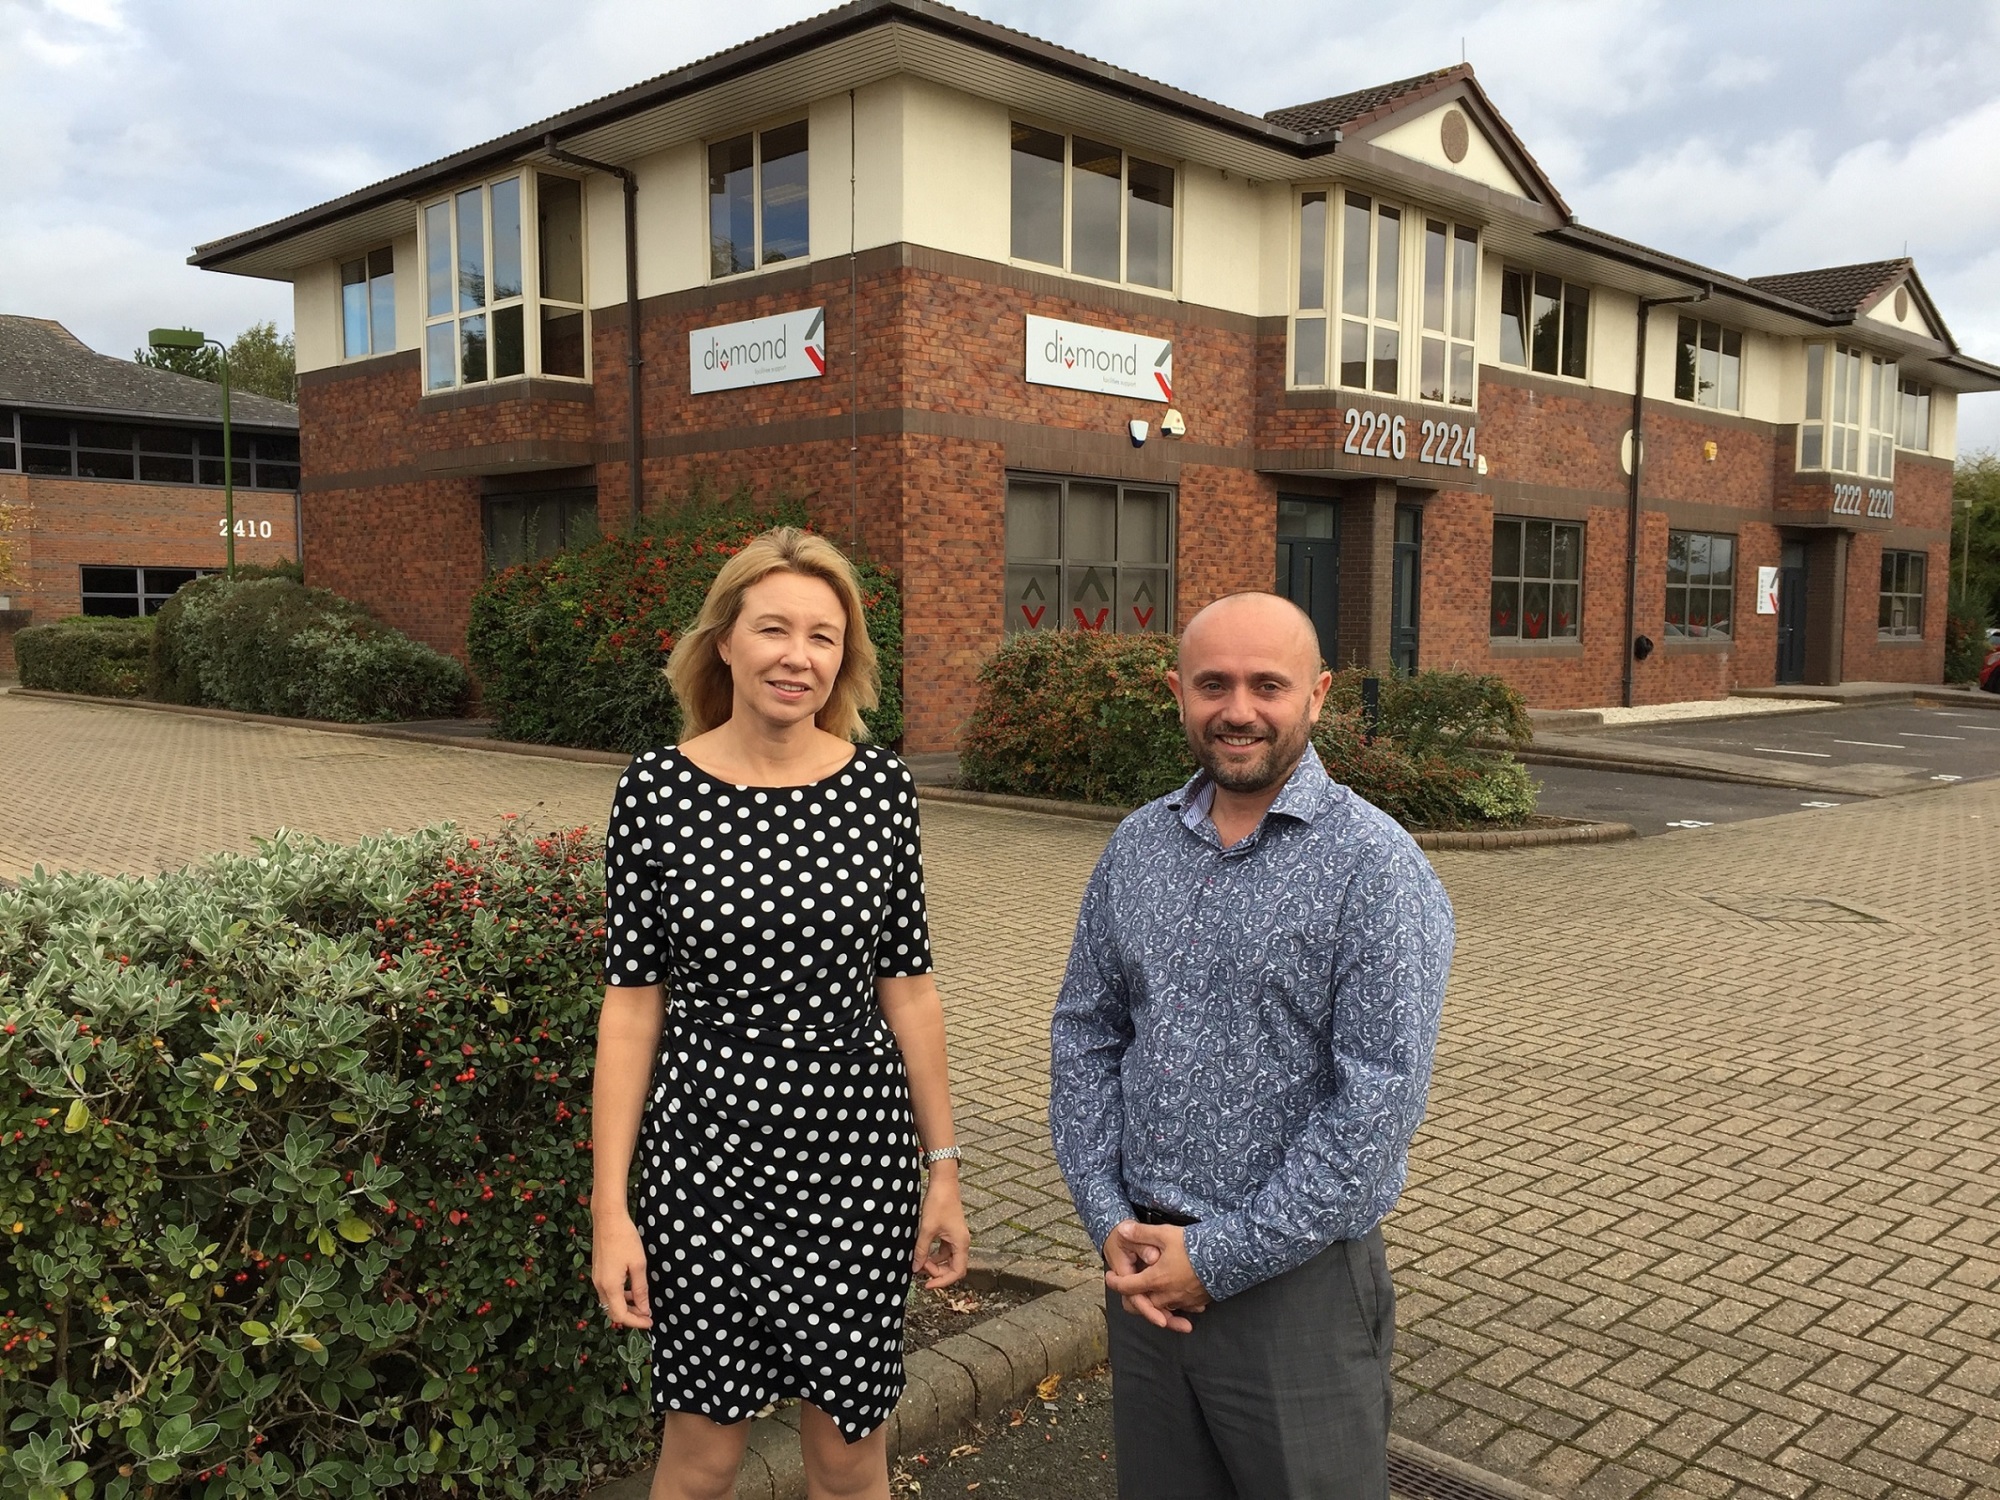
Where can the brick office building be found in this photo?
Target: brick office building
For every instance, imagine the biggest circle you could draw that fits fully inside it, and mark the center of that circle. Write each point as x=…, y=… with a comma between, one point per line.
x=930, y=272
x=115, y=472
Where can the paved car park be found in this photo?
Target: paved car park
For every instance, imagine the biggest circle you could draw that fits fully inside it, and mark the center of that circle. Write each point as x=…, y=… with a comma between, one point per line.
x=1962, y=744
x=1664, y=804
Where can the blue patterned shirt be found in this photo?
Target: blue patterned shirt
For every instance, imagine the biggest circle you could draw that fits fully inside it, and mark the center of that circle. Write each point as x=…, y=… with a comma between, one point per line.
x=1244, y=1035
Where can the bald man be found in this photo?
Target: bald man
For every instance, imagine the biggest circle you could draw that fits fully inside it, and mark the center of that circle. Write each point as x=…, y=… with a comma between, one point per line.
x=1240, y=1056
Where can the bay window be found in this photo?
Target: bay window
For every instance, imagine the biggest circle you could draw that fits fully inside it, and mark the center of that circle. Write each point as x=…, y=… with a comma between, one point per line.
x=1446, y=368
x=1371, y=267
x=1091, y=209
x=491, y=311
x=1851, y=412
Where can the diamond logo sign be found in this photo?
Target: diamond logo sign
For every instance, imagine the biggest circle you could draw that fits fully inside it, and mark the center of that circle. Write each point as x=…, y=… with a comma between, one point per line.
x=1079, y=357
x=760, y=351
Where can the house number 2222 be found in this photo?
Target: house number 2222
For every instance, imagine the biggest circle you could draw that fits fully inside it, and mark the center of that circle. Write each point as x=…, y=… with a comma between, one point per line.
x=1372, y=434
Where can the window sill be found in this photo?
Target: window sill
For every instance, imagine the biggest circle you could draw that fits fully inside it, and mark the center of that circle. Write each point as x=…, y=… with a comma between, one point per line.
x=1141, y=287
x=1899, y=640
x=1683, y=645
x=1505, y=646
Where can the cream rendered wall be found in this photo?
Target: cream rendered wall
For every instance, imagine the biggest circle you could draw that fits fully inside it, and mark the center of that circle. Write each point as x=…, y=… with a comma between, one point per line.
x=1944, y=425
x=1614, y=343
x=409, y=290
x=1912, y=320
x=672, y=221
x=1486, y=340
x=1787, y=359
x=1661, y=327
x=316, y=315
x=1277, y=248
x=1764, y=359
x=1219, y=226
x=957, y=179
x=1421, y=140
x=878, y=154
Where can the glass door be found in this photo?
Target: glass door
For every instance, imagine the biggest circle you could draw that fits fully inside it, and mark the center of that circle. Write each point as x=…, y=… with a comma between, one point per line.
x=1309, y=565
x=1792, y=613
x=1404, y=603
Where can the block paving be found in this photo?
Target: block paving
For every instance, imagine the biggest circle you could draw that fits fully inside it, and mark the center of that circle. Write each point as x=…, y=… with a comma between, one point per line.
x=1708, y=1200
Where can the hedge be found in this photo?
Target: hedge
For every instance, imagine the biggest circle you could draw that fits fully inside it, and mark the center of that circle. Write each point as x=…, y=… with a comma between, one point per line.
x=1088, y=718
x=272, y=645
x=294, y=1169
x=85, y=654
x=570, y=650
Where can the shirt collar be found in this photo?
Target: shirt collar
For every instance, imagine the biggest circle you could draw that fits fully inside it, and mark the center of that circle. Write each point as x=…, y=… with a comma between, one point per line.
x=1306, y=794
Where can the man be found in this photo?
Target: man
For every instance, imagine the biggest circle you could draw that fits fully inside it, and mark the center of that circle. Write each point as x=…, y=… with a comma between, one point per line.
x=1241, y=1053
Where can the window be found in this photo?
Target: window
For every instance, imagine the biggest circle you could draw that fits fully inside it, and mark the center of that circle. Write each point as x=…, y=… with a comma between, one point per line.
x=1901, y=612
x=1537, y=574
x=60, y=448
x=1701, y=585
x=482, y=319
x=10, y=444
x=1113, y=213
x=757, y=200
x=1879, y=446
x=1851, y=412
x=521, y=528
x=1544, y=324
x=368, y=304
x=1708, y=365
x=1913, y=416
x=130, y=592
x=1445, y=370
x=1371, y=265
x=1088, y=555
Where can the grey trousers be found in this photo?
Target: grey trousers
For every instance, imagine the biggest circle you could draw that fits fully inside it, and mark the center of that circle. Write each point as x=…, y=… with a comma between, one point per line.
x=1282, y=1392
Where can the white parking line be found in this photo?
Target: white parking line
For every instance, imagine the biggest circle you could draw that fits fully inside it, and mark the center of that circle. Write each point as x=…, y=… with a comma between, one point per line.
x=1913, y=735
x=1819, y=804
x=1872, y=744
x=1988, y=728
x=1816, y=754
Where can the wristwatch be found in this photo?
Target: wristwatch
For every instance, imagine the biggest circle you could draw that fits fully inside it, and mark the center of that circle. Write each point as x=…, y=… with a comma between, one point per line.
x=942, y=1153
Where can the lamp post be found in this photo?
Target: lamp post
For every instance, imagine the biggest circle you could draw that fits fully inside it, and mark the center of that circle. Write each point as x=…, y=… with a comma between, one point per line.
x=188, y=338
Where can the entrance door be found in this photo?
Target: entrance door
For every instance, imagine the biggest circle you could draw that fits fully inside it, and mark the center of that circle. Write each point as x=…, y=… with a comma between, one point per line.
x=1309, y=566
x=1792, y=613
x=1407, y=578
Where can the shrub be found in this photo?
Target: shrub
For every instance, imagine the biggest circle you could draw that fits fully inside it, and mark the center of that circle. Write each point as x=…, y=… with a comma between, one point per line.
x=1088, y=718
x=294, y=1169
x=85, y=654
x=171, y=677
x=571, y=650
x=1965, y=645
x=272, y=645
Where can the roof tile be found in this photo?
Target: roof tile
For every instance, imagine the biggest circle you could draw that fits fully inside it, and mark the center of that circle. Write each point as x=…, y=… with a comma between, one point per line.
x=1323, y=115
x=1839, y=290
x=43, y=364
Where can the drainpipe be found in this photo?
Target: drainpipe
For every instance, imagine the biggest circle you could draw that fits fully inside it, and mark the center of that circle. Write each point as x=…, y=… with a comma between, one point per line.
x=1646, y=306
x=633, y=362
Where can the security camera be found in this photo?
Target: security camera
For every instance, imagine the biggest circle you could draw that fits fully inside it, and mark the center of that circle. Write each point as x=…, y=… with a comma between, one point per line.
x=1173, y=424
x=1137, y=428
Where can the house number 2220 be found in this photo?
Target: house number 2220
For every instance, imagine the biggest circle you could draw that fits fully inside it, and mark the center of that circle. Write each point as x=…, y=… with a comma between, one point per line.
x=1373, y=434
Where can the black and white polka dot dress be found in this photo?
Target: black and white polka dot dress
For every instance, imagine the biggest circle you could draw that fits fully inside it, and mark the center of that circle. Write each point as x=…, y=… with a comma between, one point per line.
x=779, y=1186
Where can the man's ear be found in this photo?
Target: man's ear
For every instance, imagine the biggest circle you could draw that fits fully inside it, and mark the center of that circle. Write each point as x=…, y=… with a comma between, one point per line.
x=1174, y=687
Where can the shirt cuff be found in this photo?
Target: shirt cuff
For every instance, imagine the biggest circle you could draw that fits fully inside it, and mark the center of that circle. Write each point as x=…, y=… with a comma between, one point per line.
x=1102, y=1206
x=1214, y=1250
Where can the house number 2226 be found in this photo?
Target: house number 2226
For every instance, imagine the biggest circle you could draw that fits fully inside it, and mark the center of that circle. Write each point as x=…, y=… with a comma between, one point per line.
x=1372, y=434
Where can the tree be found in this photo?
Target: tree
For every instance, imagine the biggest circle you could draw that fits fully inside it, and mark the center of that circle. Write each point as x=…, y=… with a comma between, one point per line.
x=1975, y=519
x=260, y=361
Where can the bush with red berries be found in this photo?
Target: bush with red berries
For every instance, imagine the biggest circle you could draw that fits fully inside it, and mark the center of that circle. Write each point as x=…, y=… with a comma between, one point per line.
x=294, y=1177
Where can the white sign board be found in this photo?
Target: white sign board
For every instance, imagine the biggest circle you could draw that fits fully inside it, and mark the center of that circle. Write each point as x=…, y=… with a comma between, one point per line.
x=761, y=351
x=1081, y=358
x=1767, y=591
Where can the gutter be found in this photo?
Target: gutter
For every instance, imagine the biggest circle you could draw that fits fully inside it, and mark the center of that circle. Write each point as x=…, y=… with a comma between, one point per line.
x=1646, y=306
x=634, y=363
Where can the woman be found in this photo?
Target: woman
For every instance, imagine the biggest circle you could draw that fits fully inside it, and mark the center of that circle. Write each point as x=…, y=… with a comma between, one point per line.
x=765, y=872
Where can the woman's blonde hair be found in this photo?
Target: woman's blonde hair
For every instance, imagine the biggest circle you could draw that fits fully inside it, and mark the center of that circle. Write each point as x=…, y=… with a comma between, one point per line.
x=700, y=677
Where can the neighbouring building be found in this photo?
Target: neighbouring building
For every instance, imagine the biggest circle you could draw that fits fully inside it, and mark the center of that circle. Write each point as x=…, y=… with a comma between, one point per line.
x=114, y=472
x=1073, y=349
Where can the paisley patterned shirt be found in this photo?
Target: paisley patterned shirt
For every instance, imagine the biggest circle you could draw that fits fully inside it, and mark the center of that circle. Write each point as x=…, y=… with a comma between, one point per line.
x=1244, y=1035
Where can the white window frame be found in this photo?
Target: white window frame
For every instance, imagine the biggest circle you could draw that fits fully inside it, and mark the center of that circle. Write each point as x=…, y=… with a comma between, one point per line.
x=1913, y=401
x=1125, y=155
x=1527, y=360
x=1723, y=332
x=1372, y=321
x=367, y=285
x=530, y=300
x=1854, y=402
x=756, y=133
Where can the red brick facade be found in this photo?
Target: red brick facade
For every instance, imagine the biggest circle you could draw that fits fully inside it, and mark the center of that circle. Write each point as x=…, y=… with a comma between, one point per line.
x=904, y=448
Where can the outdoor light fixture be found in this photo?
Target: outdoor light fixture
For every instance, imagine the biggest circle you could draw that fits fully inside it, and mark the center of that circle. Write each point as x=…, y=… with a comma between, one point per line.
x=188, y=338
x=1137, y=427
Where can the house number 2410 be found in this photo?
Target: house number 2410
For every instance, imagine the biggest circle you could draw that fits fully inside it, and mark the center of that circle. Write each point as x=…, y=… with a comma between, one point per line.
x=1373, y=434
x=243, y=528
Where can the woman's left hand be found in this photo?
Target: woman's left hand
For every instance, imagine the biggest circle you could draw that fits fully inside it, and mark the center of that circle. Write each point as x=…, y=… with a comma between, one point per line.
x=943, y=1241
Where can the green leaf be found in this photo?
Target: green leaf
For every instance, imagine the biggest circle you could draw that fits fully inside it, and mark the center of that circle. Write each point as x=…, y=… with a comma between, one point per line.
x=256, y=1330
x=357, y=1231
x=346, y=1117
x=77, y=1118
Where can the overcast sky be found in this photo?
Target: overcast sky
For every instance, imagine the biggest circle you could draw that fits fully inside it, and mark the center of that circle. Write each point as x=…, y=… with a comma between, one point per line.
x=1751, y=135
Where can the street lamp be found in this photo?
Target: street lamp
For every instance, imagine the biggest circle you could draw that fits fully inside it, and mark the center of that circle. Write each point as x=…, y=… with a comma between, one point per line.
x=187, y=338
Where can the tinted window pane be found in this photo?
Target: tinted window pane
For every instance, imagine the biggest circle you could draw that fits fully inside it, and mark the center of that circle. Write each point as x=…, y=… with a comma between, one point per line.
x=354, y=308
x=1388, y=263
x=1092, y=523
x=270, y=445
x=1462, y=374
x=111, y=580
x=437, y=259
x=1354, y=256
x=45, y=460
x=1034, y=519
x=1388, y=343
x=166, y=470
x=1430, y=373
x=1729, y=384
x=94, y=464
x=510, y=355
x=1312, y=250
x=1436, y=249
x=1684, y=351
x=105, y=434
x=277, y=476
x=1576, y=331
x=1513, y=318
x=507, y=238
x=1305, y=518
x=1094, y=209
x=472, y=350
x=559, y=223
x=52, y=431
x=1677, y=557
x=1141, y=594
x=1032, y=592
x=6, y=451
x=1506, y=549
x=1090, y=598
x=731, y=226
x=1563, y=609
x=471, y=251
x=1534, y=611
x=562, y=342
x=1538, y=541
x=1149, y=224
x=1568, y=549
x=1354, y=354
x=1465, y=281
x=1309, y=351
x=1142, y=528
x=166, y=440
x=115, y=606
x=1815, y=380
x=1038, y=195
x=1506, y=609
x=786, y=231
x=382, y=310
x=1722, y=560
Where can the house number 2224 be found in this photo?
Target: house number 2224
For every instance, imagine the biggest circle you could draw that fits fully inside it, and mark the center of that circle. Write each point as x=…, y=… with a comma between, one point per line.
x=1372, y=434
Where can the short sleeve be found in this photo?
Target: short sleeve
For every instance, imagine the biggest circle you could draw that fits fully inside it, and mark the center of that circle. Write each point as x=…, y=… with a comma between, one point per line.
x=904, y=948
x=635, y=936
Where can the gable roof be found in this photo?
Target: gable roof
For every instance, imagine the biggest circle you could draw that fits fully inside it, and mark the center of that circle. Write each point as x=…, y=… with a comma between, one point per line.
x=43, y=365
x=1362, y=105
x=1839, y=290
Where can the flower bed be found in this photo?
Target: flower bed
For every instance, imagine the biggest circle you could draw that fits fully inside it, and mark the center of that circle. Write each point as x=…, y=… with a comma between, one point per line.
x=294, y=1173
x=1088, y=718
x=571, y=650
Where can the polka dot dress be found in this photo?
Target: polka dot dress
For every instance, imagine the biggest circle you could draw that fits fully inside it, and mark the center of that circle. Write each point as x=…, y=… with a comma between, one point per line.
x=779, y=1183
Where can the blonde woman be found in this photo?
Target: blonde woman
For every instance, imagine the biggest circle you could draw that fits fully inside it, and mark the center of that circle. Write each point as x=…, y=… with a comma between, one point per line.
x=771, y=1058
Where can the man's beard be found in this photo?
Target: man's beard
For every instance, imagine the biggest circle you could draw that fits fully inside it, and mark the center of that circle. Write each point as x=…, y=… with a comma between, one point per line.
x=1281, y=753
